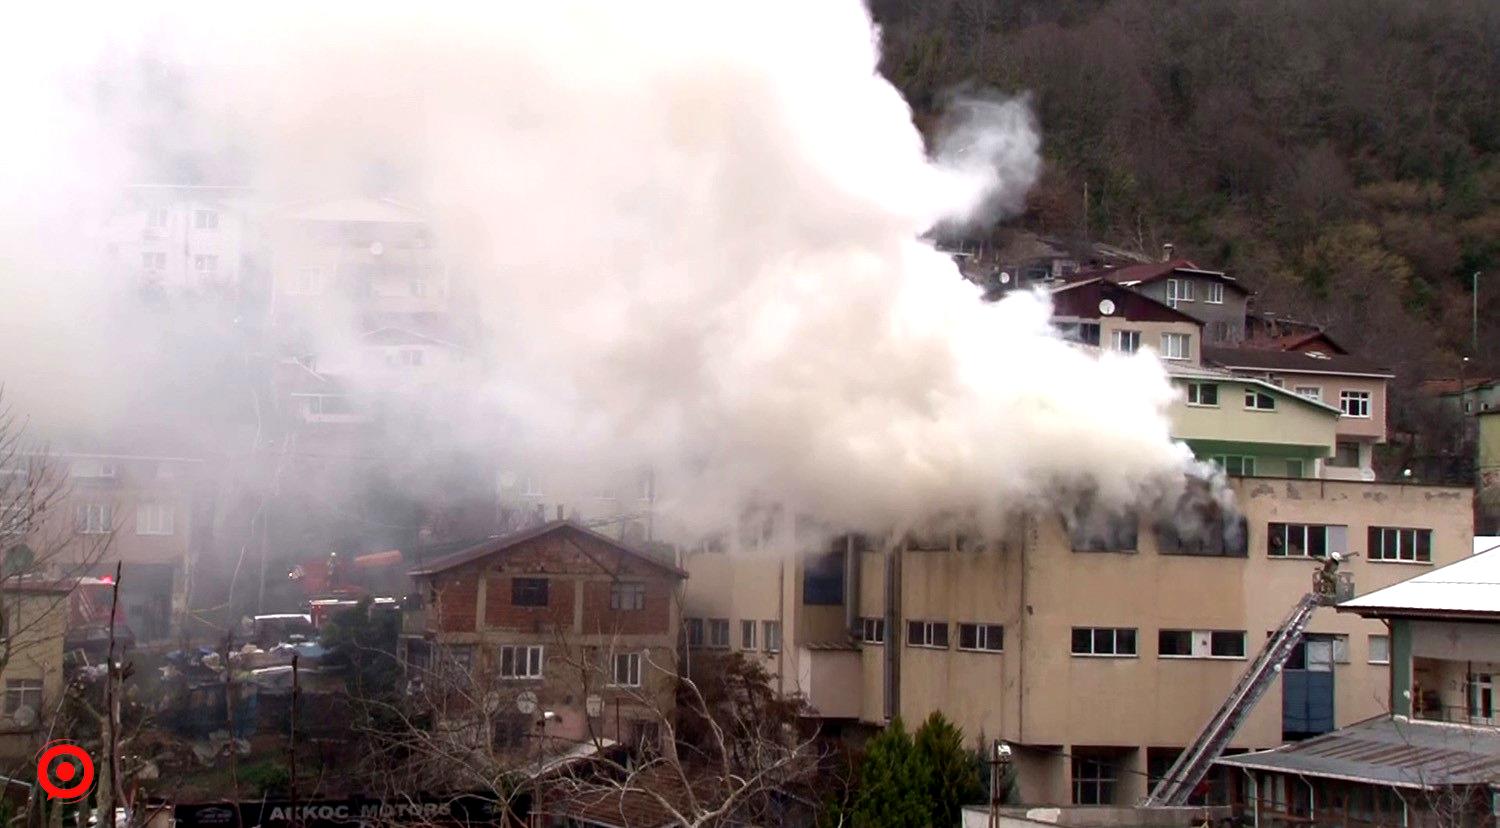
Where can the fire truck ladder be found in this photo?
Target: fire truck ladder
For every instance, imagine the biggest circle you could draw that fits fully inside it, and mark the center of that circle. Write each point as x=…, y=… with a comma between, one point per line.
x=1193, y=764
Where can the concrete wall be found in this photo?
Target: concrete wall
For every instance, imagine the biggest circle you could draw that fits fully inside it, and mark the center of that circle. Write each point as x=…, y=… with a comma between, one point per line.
x=1291, y=423
x=1151, y=335
x=1488, y=473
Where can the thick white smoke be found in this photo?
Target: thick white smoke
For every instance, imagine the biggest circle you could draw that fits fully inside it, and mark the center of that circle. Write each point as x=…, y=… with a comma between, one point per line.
x=692, y=230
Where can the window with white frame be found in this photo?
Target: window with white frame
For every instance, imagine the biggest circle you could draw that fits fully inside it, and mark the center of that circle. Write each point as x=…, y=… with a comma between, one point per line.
x=1176, y=346
x=1179, y=290
x=1124, y=341
x=93, y=518
x=1104, y=641
x=410, y=357
x=983, y=637
x=1389, y=543
x=521, y=661
x=1235, y=465
x=747, y=635
x=419, y=288
x=1312, y=392
x=1355, y=403
x=872, y=630
x=205, y=220
x=1200, y=643
x=1305, y=540
x=156, y=217
x=530, y=487
x=718, y=632
x=1203, y=394
x=627, y=595
x=627, y=670
x=205, y=265
x=927, y=634
x=154, y=261
x=23, y=693
x=154, y=519
x=1380, y=649
x=772, y=637
x=1215, y=293
x=1258, y=400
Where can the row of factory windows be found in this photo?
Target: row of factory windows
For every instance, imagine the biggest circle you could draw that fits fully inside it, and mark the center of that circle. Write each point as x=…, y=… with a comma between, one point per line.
x=1283, y=540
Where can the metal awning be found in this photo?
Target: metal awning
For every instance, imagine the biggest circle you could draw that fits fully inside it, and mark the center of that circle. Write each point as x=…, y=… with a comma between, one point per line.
x=1395, y=751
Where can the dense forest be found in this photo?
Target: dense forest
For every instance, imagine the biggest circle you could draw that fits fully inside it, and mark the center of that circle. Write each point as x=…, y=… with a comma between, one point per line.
x=1341, y=157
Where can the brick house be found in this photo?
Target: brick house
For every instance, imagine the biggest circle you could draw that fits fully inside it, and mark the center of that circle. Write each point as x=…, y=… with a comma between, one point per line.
x=557, y=616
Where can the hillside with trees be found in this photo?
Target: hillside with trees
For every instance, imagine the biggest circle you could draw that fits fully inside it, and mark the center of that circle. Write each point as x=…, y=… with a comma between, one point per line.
x=1341, y=157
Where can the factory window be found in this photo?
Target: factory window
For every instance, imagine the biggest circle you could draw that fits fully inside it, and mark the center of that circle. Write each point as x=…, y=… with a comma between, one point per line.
x=1215, y=293
x=927, y=634
x=747, y=635
x=772, y=637
x=627, y=596
x=627, y=670
x=1256, y=400
x=1203, y=393
x=154, y=519
x=521, y=661
x=1200, y=643
x=154, y=261
x=1127, y=342
x=93, y=518
x=718, y=633
x=1176, y=346
x=1388, y=543
x=1355, y=404
x=985, y=637
x=23, y=693
x=1300, y=540
x=528, y=592
x=1093, y=779
x=1103, y=641
x=872, y=630
x=823, y=577
x=1095, y=529
x=205, y=220
x=1380, y=649
x=694, y=632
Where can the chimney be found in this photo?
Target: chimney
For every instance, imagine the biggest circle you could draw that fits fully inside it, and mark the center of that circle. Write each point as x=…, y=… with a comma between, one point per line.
x=1166, y=252
x=559, y=511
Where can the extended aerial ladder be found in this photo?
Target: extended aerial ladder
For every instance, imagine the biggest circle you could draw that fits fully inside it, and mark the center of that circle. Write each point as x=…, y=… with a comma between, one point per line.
x=1194, y=762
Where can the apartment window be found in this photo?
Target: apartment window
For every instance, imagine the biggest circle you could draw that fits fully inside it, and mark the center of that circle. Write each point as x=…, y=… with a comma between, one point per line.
x=718, y=633
x=983, y=637
x=1312, y=392
x=695, y=632
x=1215, y=293
x=1235, y=465
x=1380, y=649
x=1093, y=780
x=23, y=693
x=521, y=661
x=1084, y=333
x=772, y=637
x=1203, y=393
x=410, y=357
x=1388, y=543
x=1103, y=641
x=205, y=265
x=872, y=630
x=419, y=288
x=1305, y=540
x=1257, y=400
x=1200, y=643
x=1345, y=454
x=156, y=217
x=528, y=592
x=93, y=469
x=154, y=261
x=927, y=634
x=1355, y=403
x=627, y=670
x=1126, y=341
x=530, y=487
x=93, y=518
x=154, y=519
x=1176, y=346
x=747, y=635
x=627, y=596
x=205, y=220
x=1179, y=290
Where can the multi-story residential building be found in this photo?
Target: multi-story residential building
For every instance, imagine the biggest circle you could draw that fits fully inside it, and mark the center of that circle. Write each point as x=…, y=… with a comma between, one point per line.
x=181, y=237
x=558, y=617
x=1209, y=296
x=1433, y=759
x=31, y=671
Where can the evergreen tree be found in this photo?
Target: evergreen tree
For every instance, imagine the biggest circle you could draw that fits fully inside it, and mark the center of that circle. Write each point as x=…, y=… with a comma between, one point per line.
x=893, y=783
x=952, y=777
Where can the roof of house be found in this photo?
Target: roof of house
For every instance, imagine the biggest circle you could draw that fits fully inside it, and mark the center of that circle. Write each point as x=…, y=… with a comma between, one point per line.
x=1467, y=587
x=1393, y=750
x=1452, y=385
x=1147, y=272
x=1302, y=362
x=1197, y=372
x=377, y=210
x=498, y=545
x=1081, y=299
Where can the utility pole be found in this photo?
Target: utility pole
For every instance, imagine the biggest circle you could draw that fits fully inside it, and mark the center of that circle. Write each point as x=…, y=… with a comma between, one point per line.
x=999, y=771
x=112, y=704
x=292, y=746
x=1474, y=317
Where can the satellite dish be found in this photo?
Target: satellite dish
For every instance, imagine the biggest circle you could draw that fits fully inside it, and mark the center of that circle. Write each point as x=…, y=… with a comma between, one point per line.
x=376, y=248
x=1106, y=306
x=1004, y=278
x=594, y=704
x=491, y=702
x=526, y=702
x=24, y=716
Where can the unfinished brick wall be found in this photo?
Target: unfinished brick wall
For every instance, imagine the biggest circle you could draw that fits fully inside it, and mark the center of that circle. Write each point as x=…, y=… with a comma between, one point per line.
x=457, y=608
x=500, y=612
x=653, y=619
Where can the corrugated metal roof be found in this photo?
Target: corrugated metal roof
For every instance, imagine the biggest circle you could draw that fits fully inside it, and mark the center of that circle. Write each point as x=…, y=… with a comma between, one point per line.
x=1395, y=750
x=1470, y=585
